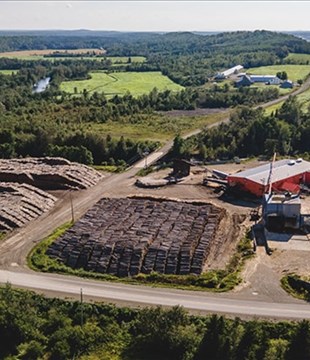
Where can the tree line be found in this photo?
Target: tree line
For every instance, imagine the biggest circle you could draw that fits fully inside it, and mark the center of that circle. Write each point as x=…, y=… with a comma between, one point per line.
x=35, y=327
x=252, y=133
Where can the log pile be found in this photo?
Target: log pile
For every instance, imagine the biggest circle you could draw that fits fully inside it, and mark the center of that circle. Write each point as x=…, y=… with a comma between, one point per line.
x=124, y=237
x=21, y=203
x=48, y=173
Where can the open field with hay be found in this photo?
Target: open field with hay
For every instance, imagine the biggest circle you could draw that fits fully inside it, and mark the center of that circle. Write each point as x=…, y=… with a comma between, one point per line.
x=298, y=58
x=137, y=83
x=85, y=55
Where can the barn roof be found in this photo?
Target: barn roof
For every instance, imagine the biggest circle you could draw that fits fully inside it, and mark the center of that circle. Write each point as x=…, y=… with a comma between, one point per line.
x=282, y=170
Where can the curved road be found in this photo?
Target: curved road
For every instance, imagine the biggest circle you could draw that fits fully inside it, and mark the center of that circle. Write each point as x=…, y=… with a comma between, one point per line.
x=132, y=294
x=13, y=252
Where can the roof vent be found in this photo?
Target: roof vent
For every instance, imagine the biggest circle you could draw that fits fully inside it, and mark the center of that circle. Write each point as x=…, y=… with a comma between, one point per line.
x=299, y=160
x=291, y=162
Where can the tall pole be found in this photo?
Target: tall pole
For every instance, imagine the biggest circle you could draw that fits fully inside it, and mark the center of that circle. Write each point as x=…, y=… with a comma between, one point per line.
x=81, y=300
x=71, y=203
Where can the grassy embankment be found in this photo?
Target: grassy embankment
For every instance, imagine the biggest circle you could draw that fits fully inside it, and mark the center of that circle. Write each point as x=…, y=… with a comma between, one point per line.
x=297, y=286
x=213, y=280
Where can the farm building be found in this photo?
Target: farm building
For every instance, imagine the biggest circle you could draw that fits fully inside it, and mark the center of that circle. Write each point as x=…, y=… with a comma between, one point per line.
x=287, y=175
x=287, y=84
x=225, y=74
x=244, y=81
x=267, y=79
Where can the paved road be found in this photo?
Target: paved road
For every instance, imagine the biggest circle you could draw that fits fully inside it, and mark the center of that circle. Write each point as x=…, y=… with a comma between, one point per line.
x=13, y=252
x=140, y=295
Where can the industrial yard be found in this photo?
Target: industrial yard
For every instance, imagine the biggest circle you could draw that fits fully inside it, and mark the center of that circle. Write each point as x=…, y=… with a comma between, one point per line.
x=181, y=228
x=124, y=237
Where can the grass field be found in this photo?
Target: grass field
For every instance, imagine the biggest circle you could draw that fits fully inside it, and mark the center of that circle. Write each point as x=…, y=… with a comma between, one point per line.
x=298, y=58
x=304, y=100
x=156, y=127
x=8, y=72
x=38, y=55
x=137, y=83
x=294, y=72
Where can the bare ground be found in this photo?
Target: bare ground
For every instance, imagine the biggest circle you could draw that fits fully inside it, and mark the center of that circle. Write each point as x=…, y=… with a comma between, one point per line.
x=261, y=274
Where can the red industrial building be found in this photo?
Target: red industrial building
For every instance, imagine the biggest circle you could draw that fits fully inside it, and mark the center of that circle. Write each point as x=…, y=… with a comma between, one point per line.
x=286, y=175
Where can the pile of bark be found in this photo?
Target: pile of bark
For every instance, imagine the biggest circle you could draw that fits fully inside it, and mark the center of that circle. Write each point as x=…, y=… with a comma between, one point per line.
x=21, y=203
x=124, y=237
x=48, y=173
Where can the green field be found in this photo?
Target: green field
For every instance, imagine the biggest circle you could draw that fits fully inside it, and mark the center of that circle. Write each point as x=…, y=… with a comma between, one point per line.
x=137, y=83
x=294, y=72
x=304, y=100
x=8, y=72
x=156, y=127
x=116, y=60
x=298, y=58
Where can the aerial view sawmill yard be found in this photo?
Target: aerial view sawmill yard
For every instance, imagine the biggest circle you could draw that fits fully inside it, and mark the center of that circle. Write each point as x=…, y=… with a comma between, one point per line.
x=154, y=181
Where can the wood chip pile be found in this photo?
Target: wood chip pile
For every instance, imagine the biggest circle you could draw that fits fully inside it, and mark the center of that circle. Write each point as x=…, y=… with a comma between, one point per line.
x=48, y=173
x=21, y=203
x=124, y=237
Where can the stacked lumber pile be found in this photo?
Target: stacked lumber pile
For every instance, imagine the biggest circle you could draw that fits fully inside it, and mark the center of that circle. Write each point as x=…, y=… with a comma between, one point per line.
x=48, y=173
x=124, y=237
x=21, y=203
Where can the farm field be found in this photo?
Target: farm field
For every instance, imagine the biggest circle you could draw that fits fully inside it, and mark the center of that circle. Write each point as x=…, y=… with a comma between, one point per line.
x=39, y=55
x=8, y=72
x=298, y=58
x=294, y=72
x=137, y=83
x=262, y=86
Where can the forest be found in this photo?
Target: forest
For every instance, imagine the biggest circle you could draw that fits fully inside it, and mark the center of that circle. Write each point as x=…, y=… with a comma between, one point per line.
x=252, y=133
x=55, y=122
x=36, y=327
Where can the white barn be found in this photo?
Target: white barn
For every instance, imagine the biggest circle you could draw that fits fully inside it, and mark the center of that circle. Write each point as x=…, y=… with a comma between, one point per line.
x=225, y=74
x=270, y=79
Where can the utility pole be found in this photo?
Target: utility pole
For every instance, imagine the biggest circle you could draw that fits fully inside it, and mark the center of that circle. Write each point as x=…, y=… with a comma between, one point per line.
x=146, y=153
x=81, y=301
x=71, y=203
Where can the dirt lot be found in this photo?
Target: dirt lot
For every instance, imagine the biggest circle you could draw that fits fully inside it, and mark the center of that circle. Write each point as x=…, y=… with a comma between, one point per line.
x=261, y=274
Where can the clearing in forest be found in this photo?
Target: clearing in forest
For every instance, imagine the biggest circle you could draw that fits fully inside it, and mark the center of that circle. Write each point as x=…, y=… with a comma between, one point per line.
x=137, y=83
x=8, y=72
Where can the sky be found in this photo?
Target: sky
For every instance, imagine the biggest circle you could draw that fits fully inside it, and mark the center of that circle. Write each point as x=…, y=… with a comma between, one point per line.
x=155, y=15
